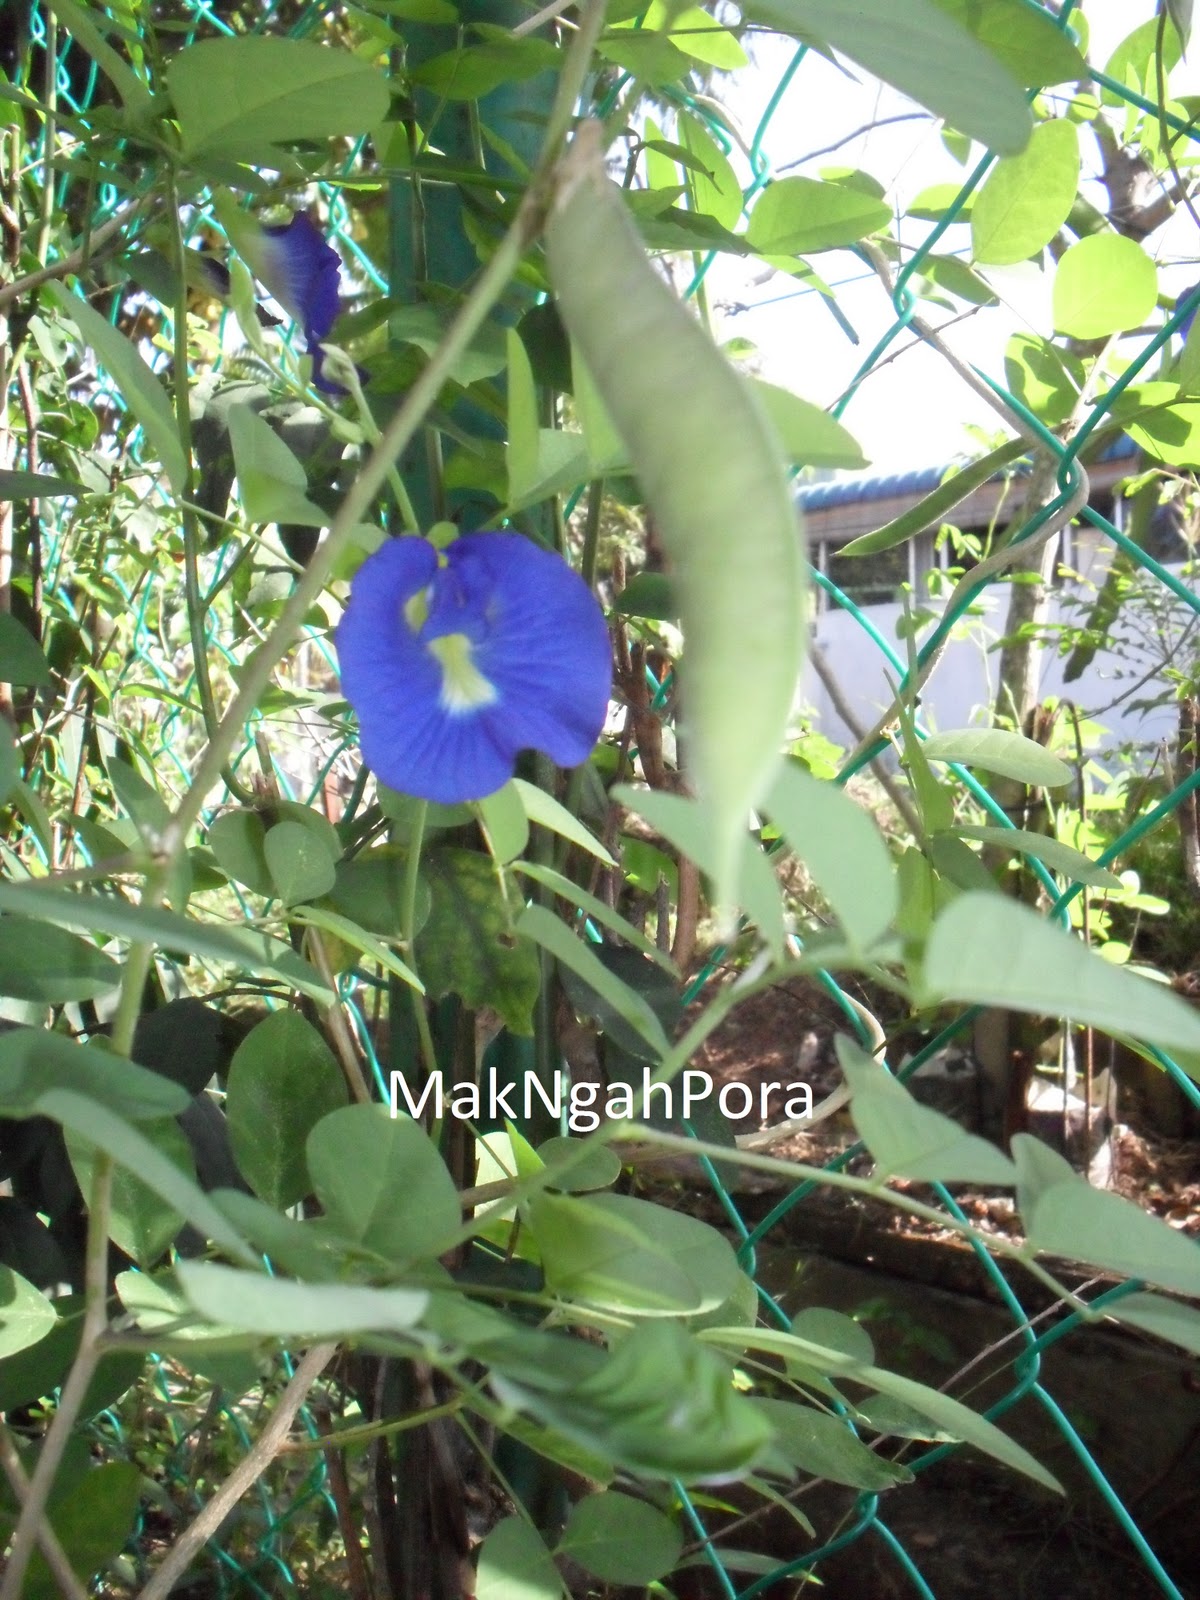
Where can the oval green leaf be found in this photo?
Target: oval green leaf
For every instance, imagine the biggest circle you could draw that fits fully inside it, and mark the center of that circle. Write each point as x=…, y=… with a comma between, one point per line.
x=271, y=91
x=283, y=1079
x=25, y=1314
x=1027, y=198
x=989, y=950
x=801, y=216
x=1011, y=755
x=1104, y=284
x=620, y=1539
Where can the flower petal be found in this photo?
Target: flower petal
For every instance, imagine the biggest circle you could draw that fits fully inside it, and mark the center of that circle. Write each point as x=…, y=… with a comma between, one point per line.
x=543, y=643
x=302, y=272
x=530, y=629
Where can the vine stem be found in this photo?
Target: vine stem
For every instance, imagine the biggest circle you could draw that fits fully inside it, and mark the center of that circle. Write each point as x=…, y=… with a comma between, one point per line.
x=194, y=600
x=408, y=932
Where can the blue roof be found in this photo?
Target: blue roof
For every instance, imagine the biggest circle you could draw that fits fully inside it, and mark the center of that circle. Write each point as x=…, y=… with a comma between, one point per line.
x=917, y=482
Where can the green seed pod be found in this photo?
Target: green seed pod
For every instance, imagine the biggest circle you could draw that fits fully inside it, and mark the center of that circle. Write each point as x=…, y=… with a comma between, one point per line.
x=714, y=478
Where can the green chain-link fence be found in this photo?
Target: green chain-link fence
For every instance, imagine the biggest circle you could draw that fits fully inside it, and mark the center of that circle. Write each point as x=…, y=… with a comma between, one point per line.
x=153, y=666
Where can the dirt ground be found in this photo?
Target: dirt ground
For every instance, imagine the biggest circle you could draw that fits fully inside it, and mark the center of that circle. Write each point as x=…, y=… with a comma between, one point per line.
x=971, y=1529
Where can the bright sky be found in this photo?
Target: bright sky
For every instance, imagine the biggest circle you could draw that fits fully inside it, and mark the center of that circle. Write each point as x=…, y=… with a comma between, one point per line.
x=913, y=412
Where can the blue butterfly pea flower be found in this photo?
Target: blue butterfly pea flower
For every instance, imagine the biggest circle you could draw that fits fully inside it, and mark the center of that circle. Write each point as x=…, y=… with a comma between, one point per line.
x=302, y=272
x=456, y=661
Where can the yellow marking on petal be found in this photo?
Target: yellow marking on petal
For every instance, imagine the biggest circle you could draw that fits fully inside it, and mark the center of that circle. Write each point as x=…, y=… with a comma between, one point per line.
x=416, y=609
x=464, y=687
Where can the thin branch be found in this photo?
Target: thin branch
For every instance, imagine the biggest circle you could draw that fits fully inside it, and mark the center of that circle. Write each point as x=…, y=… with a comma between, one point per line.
x=339, y=1032
x=846, y=712
x=56, y=1556
x=550, y=13
x=849, y=138
x=69, y=263
x=248, y=1471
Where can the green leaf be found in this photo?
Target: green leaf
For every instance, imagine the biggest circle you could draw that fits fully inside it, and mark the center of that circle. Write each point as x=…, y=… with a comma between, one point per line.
x=468, y=947
x=244, y=948
x=92, y=1523
x=142, y=392
x=283, y=1079
x=1044, y=378
x=709, y=464
x=358, y=939
x=1165, y=1319
x=382, y=1183
x=1069, y=1218
x=990, y=950
x=696, y=32
x=810, y=437
x=141, y=1223
x=598, y=910
x=271, y=91
x=1051, y=853
x=922, y=52
x=628, y=1255
x=425, y=327
x=621, y=1540
x=685, y=823
x=599, y=1169
x=301, y=867
x=22, y=659
x=1168, y=433
x=238, y=840
x=712, y=184
x=36, y=486
x=801, y=216
x=648, y=594
x=33, y=1060
x=1011, y=755
x=514, y=1564
x=547, y=812
x=545, y=929
x=84, y=1115
x=40, y=1368
x=521, y=451
x=812, y=1441
x=83, y=31
x=1104, y=284
x=476, y=69
x=841, y=847
x=1027, y=198
x=47, y=964
x=937, y=505
x=1133, y=59
x=957, y=1419
x=139, y=800
x=10, y=762
x=1027, y=42
x=276, y=1306
x=505, y=824
x=272, y=483
x=659, y=1404
x=910, y=1140
x=26, y=1316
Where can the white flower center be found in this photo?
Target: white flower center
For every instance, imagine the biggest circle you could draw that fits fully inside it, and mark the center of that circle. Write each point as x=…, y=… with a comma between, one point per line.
x=464, y=687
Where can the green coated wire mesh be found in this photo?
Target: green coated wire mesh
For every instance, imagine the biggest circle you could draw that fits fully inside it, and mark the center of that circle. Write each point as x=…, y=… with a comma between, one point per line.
x=152, y=667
